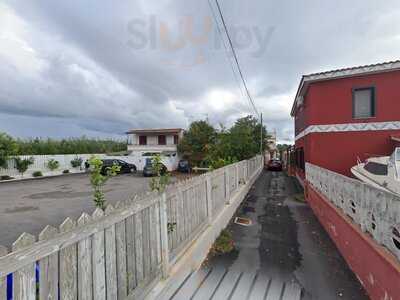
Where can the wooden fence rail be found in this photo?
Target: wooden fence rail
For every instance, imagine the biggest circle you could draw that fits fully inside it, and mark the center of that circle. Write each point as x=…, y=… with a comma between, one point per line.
x=121, y=252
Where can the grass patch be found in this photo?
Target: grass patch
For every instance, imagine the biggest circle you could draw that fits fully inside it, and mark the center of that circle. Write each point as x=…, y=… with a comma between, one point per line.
x=299, y=197
x=224, y=243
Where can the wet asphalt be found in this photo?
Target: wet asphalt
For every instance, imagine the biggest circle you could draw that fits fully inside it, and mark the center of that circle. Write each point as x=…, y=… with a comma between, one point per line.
x=287, y=242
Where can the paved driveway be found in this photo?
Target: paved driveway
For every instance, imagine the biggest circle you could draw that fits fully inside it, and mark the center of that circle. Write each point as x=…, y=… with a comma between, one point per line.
x=31, y=205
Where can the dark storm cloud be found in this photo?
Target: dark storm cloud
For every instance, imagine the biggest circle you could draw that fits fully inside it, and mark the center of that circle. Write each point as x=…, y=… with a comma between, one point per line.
x=108, y=66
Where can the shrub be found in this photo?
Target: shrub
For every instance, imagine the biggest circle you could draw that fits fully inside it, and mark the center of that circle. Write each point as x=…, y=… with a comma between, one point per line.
x=22, y=165
x=98, y=180
x=37, y=174
x=8, y=147
x=6, y=177
x=77, y=162
x=66, y=172
x=224, y=243
x=52, y=164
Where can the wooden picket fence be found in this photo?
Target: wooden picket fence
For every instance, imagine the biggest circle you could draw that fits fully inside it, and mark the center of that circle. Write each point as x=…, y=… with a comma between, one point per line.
x=124, y=251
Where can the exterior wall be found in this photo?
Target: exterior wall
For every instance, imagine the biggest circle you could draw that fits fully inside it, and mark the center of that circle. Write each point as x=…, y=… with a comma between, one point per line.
x=338, y=151
x=152, y=143
x=376, y=269
x=330, y=102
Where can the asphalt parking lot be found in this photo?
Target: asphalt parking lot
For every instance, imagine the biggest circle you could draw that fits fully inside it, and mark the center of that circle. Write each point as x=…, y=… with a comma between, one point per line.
x=28, y=206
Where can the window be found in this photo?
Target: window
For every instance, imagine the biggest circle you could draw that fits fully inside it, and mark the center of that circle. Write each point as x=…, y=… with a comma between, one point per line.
x=364, y=103
x=142, y=140
x=300, y=163
x=376, y=168
x=162, y=140
x=176, y=139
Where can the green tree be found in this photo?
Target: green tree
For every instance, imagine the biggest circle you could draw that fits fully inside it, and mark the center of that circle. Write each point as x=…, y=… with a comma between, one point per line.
x=162, y=178
x=8, y=147
x=197, y=141
x=22, y=165
x=98, y=180
x=53, y=164
x=241, y=141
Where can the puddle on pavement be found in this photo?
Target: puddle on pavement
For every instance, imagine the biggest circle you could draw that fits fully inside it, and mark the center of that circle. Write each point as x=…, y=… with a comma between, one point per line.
x=58, y=195
x=19, y=209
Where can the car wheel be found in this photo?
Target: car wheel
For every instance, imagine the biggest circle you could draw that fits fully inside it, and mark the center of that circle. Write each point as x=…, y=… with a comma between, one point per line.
x=133, y=170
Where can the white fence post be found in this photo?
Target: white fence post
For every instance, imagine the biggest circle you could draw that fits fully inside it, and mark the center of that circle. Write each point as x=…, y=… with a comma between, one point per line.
x=209, y=198
x=227, y=192
x=164, y=235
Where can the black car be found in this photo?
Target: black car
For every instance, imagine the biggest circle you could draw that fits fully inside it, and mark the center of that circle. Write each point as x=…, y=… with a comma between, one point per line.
x=274, y=165
x=125, y=167
x=184, y=166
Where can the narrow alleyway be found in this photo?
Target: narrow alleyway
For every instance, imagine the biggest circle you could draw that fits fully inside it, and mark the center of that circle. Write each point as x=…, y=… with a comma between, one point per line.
x=287, y=243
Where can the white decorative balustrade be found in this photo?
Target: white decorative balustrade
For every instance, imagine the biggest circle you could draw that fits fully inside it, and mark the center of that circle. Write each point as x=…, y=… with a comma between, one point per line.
x=376, y=211
x=125, y=250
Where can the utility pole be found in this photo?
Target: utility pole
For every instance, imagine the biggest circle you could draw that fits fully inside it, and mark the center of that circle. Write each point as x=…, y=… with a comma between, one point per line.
x=261, y=134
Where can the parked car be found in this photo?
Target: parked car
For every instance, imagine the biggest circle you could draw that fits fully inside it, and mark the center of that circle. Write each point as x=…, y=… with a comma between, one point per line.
x=274, y=165
x=125, y=167
x=148, y=169
x=184, y=166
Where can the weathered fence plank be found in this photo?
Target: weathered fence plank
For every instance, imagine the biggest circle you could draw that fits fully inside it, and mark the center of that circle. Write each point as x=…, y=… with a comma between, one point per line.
x=85, y=278
x=111, y=259
x=130, y=251
x=68, y=266
x=139, y=247
x=48, y=268
x=3, y=281
x=99, y=276
x=24, y=287
x=120, y=237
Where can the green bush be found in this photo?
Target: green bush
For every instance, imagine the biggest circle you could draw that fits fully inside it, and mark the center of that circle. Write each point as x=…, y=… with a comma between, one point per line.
x=37, y=174
x=22, y=165
x=77, y=162
x=66, y=172
x=6, y=177
x=52, y=164
x=224, y=243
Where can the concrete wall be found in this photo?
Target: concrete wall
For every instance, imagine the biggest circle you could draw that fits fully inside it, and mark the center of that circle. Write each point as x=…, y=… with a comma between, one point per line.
x=364, y=223
x=376, y=268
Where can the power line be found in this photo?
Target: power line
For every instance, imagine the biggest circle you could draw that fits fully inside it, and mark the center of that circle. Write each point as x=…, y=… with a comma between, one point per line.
x=236, y=58
x=226, y=49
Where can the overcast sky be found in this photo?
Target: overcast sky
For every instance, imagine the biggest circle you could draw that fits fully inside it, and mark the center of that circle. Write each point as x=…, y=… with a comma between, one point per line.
x=69, y=68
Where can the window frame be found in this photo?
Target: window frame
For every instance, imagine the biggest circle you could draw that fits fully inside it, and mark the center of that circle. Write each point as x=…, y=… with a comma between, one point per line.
x=371, y=88
x=162, y=139
x=176, y=139
x=144, y=137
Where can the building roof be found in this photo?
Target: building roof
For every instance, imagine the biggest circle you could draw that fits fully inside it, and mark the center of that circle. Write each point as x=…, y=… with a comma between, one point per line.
x=154, y=131
x=306, y=80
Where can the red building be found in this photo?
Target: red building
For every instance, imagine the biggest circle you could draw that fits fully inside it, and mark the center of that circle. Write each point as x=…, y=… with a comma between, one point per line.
x=346, y=114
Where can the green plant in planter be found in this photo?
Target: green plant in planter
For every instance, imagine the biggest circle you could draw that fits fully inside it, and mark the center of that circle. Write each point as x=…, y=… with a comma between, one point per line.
x=37, y=174
x=66, y=172
x=6, y=177
x=52, y=164
x=77, y=162
x=224, y=243
x=97, y=180
x=22, y=165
